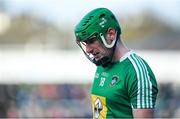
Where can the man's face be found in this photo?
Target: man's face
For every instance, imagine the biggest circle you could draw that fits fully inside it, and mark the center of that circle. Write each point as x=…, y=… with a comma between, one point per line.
x=94, y=47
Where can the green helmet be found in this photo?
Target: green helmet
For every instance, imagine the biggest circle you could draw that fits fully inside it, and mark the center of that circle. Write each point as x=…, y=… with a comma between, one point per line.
x=96, y=22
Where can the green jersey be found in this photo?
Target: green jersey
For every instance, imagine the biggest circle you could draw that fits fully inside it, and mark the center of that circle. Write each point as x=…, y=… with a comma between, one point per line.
x=127, y=84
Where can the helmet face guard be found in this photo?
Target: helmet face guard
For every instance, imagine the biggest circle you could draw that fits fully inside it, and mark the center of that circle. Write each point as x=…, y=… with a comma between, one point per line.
x=96, y=24
x=82, y=45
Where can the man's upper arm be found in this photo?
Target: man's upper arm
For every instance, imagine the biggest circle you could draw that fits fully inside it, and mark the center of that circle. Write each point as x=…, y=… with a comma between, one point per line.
x=143, y=113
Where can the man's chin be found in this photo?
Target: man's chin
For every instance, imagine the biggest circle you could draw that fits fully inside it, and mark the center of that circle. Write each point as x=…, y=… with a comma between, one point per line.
x=97, y=59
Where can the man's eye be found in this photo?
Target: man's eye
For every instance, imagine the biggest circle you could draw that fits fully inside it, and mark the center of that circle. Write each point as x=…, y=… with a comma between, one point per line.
x=91, y=41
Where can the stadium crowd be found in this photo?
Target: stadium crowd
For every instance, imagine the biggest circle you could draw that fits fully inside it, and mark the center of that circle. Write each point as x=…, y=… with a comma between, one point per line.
x=70, y=100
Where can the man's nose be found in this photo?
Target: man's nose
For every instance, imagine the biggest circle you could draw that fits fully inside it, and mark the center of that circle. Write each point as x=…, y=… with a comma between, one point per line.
x=88, y=48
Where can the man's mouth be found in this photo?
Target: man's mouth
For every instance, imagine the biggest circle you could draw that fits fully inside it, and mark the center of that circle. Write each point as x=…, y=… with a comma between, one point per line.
x=96, y=56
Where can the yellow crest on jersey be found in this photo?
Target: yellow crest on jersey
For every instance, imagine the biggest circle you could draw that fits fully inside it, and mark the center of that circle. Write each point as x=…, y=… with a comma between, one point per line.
x=99, y=107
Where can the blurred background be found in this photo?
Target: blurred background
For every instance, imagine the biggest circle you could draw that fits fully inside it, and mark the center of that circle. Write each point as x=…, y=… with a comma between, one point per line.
x=43, y=73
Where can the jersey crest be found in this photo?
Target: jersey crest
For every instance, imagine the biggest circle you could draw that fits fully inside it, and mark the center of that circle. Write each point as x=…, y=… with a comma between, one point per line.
x=114, y=80
x=99, y=107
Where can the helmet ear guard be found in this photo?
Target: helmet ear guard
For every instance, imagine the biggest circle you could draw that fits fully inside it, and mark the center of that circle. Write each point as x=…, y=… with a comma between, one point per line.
x=105, y=42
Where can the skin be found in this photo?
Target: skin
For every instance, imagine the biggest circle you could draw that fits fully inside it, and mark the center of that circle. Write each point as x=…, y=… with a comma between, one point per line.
x=98, y=51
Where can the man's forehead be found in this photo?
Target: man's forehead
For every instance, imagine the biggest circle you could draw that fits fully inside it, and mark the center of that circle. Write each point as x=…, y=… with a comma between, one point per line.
x=93, y=38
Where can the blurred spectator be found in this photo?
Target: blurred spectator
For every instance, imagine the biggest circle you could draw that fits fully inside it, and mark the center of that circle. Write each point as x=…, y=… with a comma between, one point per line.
x=168, y=101
x=7, y=96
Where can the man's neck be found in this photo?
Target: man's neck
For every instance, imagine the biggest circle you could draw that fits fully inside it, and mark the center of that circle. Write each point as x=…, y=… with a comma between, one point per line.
x=120, y=51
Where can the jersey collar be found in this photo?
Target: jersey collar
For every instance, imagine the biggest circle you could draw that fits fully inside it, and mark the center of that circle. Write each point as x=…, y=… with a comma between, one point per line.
x=125, y=56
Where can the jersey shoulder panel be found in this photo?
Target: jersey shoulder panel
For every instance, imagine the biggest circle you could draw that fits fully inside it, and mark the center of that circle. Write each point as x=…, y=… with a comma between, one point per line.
x=142, y=86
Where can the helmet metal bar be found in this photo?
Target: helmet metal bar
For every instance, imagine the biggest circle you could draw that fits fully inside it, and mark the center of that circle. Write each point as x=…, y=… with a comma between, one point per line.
x=105, y=43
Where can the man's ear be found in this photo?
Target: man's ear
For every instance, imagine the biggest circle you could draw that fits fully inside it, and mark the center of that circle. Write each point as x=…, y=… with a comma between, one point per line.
x=111, y=34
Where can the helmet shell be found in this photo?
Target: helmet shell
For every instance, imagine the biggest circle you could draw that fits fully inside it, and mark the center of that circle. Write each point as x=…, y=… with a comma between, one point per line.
x=95, y=22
